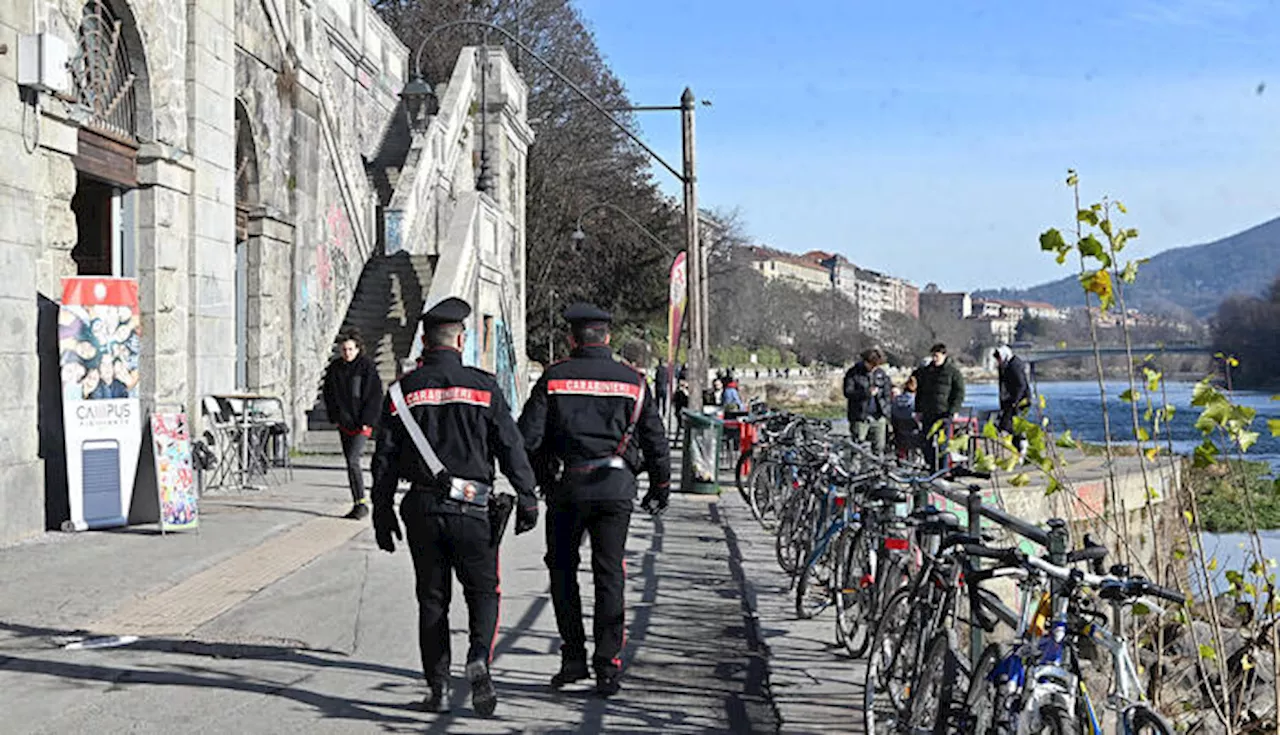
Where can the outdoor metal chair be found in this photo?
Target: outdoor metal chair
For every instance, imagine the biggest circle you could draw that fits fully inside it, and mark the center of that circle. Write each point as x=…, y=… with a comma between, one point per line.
x=221, y=436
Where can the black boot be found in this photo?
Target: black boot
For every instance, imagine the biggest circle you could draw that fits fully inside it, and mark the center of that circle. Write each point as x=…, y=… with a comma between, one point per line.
x=608, y=680
x=571, y=669
x=438, y=700
x=484, y=698
x=358, y=511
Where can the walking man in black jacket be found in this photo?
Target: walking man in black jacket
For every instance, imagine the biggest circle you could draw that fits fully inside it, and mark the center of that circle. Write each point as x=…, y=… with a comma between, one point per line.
x=353, y=399
x=868, y=389
x=939, y=397
x=586, y=425
x=457, y=414
x=1015, y=391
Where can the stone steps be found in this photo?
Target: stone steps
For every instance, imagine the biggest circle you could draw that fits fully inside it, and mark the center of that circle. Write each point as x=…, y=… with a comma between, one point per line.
x=385, y=306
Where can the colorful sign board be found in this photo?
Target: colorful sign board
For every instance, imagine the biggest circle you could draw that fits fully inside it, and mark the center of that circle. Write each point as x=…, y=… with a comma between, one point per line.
x=677, y=303
x=99, y=340
x=175, y=476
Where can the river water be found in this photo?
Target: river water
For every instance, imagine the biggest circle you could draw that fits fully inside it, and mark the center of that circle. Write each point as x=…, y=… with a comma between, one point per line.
x=1075, y=405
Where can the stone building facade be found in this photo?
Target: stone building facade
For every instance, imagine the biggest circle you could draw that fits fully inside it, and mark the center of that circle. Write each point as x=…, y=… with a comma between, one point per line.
x=240, y=159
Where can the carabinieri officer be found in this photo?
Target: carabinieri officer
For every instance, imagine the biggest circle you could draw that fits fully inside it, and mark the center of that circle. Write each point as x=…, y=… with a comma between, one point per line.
x=586, y=424
x=462, y=423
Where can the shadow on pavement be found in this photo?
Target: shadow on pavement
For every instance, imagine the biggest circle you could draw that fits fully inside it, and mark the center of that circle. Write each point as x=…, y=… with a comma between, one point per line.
x=212, y=677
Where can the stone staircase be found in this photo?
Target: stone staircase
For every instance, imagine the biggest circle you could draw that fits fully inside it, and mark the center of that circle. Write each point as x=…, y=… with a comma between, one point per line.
x=385, y=307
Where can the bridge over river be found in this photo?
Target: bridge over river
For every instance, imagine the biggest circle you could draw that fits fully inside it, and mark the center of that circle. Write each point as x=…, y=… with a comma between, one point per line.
x=1046, y=354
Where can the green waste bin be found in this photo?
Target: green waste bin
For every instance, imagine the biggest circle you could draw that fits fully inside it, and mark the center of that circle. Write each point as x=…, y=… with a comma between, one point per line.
x=700, y=467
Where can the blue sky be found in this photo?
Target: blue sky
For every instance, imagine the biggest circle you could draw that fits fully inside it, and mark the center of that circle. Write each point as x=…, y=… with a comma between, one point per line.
x=931, y=139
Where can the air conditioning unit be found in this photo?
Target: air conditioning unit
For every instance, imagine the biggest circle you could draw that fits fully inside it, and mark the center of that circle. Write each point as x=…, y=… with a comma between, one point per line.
x=42, y=63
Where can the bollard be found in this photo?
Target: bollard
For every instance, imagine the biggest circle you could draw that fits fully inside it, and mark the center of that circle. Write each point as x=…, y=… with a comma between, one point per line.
x=973, y=504
x=1058, y=544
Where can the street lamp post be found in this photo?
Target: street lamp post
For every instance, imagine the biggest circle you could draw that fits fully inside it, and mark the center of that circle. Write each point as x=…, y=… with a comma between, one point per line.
x=419, y=96
x=579, y=235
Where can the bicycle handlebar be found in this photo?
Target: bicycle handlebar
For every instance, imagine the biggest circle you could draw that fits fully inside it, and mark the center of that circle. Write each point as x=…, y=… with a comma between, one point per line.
x=1124, y=587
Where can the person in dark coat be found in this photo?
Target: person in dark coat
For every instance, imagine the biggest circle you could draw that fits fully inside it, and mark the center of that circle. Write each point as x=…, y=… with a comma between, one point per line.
x=452, y=515
x=661, y=378
x=353, y=398
x=590, y=426
x=1015, y=389
x=939, y=398
x=868, y=391
x=906, y=427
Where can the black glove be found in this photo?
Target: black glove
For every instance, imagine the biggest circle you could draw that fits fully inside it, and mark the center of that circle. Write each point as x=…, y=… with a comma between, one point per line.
x=656, y=500
x=526, y=518
x=385, y=526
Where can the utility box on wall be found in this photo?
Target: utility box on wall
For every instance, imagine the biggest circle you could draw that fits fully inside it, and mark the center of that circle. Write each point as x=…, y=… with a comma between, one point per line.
x=42, y=63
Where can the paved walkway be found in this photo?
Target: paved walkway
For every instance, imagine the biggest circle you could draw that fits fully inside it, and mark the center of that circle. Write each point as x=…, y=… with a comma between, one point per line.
x=280, y=617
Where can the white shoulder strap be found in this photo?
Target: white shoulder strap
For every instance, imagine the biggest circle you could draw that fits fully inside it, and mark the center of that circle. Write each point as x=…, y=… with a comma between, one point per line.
x=415, y=431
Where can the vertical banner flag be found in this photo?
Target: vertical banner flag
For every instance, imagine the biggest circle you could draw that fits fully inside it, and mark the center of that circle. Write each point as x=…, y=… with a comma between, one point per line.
x=175, y=479
x=99, y=339
x=679, y=299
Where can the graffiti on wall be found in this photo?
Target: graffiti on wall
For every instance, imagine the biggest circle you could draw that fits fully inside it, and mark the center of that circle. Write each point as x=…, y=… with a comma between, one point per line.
x=329, y=271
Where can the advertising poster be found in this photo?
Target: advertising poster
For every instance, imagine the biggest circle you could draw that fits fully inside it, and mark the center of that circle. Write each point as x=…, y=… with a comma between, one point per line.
x=678, y=301
x=175, y=477
x=99, y=339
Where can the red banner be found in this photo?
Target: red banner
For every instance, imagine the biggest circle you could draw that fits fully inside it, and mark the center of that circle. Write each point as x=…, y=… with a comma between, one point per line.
x=678, y=301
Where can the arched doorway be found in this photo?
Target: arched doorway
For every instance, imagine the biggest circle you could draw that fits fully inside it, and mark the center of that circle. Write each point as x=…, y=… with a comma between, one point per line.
x=246, y=201
x=106, y=162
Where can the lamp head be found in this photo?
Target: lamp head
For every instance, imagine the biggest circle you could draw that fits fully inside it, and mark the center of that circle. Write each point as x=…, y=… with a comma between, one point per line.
x=419, y=102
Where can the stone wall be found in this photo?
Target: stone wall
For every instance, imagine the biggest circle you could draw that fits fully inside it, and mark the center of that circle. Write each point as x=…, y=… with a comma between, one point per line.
x=23, y=179
x=316, y=83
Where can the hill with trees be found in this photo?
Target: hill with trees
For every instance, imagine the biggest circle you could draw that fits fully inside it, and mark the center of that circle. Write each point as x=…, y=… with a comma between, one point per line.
x=1184, y=282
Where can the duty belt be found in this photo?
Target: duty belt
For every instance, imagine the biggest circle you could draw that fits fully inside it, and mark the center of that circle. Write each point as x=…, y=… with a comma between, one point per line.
x=613, y=462
x=466, y=493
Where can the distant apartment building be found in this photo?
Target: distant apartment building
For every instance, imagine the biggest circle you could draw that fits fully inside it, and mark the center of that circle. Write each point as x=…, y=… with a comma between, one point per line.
x=1042, y=310
x=953, y=304
x=999, y=309
x=793, y=269
x=872, y=292
x=904, y=298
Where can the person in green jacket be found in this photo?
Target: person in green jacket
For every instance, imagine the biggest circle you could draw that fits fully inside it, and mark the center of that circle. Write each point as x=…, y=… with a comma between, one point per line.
x=939, y=396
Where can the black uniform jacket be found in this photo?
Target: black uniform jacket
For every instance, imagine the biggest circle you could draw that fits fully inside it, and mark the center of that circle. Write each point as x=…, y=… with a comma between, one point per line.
x=578, y=412
x=464, y=416
x=1015, y=386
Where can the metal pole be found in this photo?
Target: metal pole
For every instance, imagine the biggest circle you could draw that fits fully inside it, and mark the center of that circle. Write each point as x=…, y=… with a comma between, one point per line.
x=697, y=325
x=974, y=507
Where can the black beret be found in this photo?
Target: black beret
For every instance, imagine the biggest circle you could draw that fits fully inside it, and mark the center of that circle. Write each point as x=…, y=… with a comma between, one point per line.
x=448, y=311
x=584, y=312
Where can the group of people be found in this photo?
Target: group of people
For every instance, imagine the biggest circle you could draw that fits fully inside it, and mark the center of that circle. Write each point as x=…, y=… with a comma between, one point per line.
x=917, y=413
x=588, y=428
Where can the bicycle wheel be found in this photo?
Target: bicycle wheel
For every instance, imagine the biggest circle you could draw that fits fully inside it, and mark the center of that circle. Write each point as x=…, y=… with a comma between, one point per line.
x=813, y=588
x=932, y=708
x=1145, y=721
x=889, y=667
x=1058, y=721
x=984, y=700
x=893, y=574
x=741, y=478
x=793, y=533
x=765, y=494
x=854, y=587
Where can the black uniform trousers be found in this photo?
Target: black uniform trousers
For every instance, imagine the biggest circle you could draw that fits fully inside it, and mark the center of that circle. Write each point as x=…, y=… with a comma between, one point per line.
x=441, y=543
x=606, y=522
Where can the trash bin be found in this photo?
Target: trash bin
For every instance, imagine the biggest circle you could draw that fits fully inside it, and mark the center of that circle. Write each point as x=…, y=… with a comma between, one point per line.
x=700, y=468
